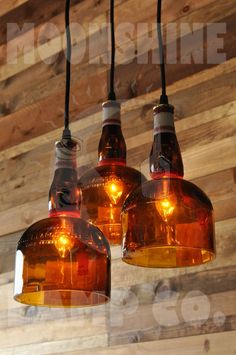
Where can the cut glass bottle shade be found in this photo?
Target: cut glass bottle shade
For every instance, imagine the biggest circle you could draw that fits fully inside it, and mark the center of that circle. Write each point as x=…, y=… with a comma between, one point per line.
x=105, y=187
x=63, y=261
x=168, y=221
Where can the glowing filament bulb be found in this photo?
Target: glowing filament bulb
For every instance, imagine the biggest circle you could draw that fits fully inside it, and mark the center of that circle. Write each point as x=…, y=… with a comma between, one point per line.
x=63, y=242
x=166, y=208
x=114, y=189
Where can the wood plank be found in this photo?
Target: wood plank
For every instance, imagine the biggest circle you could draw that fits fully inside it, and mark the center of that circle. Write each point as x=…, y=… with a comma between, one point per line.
x=146, y=333
x=10, y=5
x=50, y=79
x=30, y=11
x=126, y=10
x=119, y=320
x=88, y=335
x=13, y=103
x=205, y=13
x=82, y=12
x=57, y=347
x=139, y=80
x=208, y=161
x=223, y=198
x=213, y=344
x=122, y=328
x=214, y=75
x=44, y=115
x=216, y=280
x=32, y=211
x=47, y=52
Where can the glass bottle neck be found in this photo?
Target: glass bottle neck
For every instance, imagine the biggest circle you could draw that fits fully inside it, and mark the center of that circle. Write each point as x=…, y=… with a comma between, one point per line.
x=64, y=193
x=112, y=147
x=165, y=157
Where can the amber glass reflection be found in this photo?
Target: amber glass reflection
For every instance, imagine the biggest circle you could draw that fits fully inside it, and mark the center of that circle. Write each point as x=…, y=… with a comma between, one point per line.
x=105, y=187
x=168, y=222
x=63, y=261
x=104, y=190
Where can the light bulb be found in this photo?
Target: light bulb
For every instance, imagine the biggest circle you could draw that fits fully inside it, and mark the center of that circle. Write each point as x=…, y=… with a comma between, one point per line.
x=64, y=242
x=165, y=207
x=114, y=189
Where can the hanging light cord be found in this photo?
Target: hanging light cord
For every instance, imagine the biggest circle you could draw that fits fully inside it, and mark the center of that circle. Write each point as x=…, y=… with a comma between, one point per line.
x=163, y=97
x=112, y=95
x=66, y=132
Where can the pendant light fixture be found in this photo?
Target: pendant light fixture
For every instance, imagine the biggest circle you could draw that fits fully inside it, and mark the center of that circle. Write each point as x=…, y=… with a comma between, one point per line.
x=63, y=261
x=105, y=187
x=168, y=222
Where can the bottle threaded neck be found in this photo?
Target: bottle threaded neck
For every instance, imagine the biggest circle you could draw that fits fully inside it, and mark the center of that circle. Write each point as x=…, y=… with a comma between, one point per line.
x=111, y=113
x=163, y=119
x=66, y=154
x=63, y=193
x=112, y=147
x=165, y=156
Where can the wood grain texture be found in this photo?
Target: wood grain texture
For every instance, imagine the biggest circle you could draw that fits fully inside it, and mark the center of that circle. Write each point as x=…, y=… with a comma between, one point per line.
x=116, y=327
x=222, y=91
x=84, y=11
x=172, y=311
x=6, y=6
x=213, y=344
x=135, y=85
x=51, y=78
x=117, y=323
x=199, y=82
x=30, y=11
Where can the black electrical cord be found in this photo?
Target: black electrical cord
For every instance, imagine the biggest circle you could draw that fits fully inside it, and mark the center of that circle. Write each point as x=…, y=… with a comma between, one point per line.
x=66, y=132
x=163, y=97
x=112, y=95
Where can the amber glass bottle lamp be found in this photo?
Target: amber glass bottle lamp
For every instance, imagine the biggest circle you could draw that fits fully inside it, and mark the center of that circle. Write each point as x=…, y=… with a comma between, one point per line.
x=168, y=222
x=105, y=187
x=63, y=261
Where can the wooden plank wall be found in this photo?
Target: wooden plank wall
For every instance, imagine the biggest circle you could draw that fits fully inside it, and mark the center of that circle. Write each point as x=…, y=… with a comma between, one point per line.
x=152, y=311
